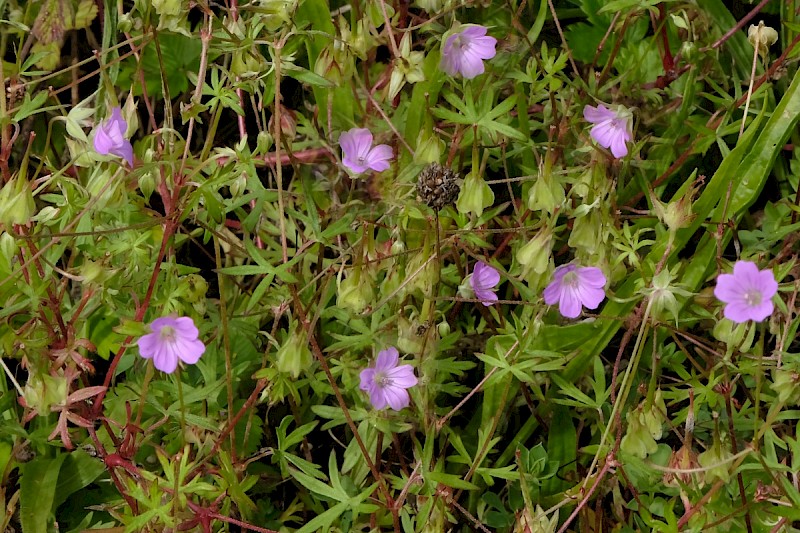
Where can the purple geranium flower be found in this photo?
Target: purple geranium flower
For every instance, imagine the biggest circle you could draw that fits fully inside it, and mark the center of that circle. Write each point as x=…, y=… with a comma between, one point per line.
x=747, y=292
x=387, y=382
x=574, y=287
x=483, y=280
x=463, y=52
x=612, y=129
x=171, y=339
x=358, y=154
x=109, y=137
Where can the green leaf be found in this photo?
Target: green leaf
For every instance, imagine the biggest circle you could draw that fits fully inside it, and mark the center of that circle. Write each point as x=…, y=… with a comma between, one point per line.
x=37, y=490
x=78, y=471
x=450, y=480
x=30, y=107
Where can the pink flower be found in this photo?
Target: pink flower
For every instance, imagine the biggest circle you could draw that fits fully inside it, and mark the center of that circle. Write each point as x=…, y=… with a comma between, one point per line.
x=483, y=280
x=575, y=287
x=358, y=154
x=612, y=129
x=387, y=382
x=747, y=292
x=109, y=137
x=171, y=339
x=463, y=52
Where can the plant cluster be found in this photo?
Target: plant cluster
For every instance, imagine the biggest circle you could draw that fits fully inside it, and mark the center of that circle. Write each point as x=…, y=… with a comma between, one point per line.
x=297, y=265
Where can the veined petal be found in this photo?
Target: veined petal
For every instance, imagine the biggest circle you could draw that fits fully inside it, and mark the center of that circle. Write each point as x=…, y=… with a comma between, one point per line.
x=378, y=157
x=148, y=344
x=189, y=351
x=569, y=305
x=592, y=276
x=762, y=310
x=165, y=361
x=590, y=297
x=387, y=359
x=552, y=293
x=737, y=311
x=767, y=284
x=728, y=289
x=403, y=376
x=618, y=147
x=396, y=397
x=367, y=377
x=486, y=297
x=598, y=114
x=377, y=397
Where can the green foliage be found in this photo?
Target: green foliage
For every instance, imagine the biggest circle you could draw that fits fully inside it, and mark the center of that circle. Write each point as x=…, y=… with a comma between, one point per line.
x=651, y=411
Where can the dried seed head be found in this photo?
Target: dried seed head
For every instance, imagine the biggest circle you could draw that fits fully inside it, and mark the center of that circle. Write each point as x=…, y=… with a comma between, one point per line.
x=437, y=186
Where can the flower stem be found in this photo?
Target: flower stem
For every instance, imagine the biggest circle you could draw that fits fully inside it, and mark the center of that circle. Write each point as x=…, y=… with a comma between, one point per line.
x=183, y=407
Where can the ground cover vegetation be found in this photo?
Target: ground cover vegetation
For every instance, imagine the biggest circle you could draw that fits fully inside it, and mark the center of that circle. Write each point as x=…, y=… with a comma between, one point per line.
x=429, y=265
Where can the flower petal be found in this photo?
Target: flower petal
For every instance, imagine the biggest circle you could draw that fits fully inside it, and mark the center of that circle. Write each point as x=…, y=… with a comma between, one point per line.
x=387, y=359
x=486, y=297
x=569, y=305
x=377, y=397
x=402, y=376
x=592, y=277
x=148, y=344
x=378, y=158
x=189, y=351
x=552, y=293
x=396, y=397
x=738, y=312
x=367, y=377
x=597, y=114
x=619, y=148
x=165, y=360
x=728, y=288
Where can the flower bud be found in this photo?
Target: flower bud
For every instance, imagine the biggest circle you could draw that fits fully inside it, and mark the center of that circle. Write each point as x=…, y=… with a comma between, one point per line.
x=167, y=7
x=264, y=142
x=16, y=202
x=288, y=123
x=476, y=195
x=546, y=194
x=534, y=256
x=690, y=52
x=662, y=294
x=644, y=427
x=762, y=37
x=587, y=232
x=429, y=148
x=785, y=383
x=361, y=40
x=125, y=23
x=293, y=356
x=355, y=292
x=677, y=214
x=716, y=460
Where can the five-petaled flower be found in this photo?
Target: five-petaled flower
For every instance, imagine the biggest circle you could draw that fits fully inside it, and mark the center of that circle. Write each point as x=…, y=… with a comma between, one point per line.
x=109, y=137
x=171, y=339
x=612, y=129
x=575, y=287
x=464, y=51
x=387, y=382
x=358, y=154
x=747, y=293
x=483, y=280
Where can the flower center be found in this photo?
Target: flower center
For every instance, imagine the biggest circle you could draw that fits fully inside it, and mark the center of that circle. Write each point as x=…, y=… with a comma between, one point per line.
x=361, y=159
x=752, y=298
x=382, y=380
x=167, y=334
x=570, y=279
